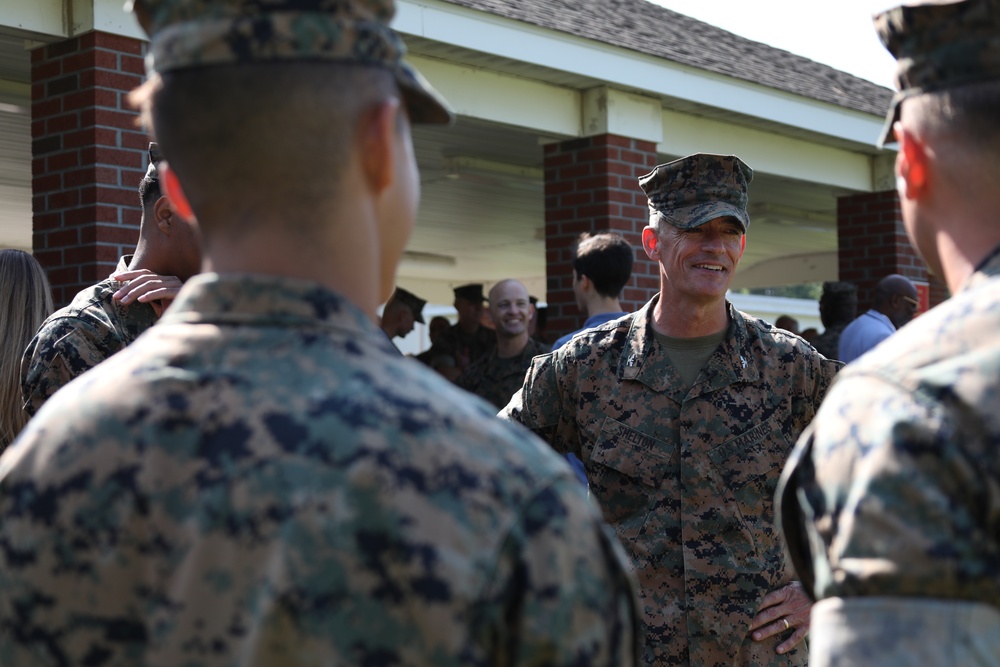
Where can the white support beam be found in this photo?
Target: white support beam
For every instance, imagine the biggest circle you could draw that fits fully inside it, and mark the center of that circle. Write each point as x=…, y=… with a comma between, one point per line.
x=884, y=172
x=62, y=19
x=110, y=16
x=504, y=99
x=40, y=17
x=610, y=111
x=770, y=153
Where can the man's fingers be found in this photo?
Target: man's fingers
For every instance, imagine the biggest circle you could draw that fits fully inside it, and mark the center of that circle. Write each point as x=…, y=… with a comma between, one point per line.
x=792, y=641
x=125, y=276
x=166, y=293
x=147, y=286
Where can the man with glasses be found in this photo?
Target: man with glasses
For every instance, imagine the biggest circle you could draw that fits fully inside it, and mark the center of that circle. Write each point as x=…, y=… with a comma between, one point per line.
x=894, y=305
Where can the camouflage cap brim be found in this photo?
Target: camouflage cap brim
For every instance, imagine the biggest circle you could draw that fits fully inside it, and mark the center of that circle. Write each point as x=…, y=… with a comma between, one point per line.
x=424, y=104
x=689, y=217
x=939, y=45
x=888, y=135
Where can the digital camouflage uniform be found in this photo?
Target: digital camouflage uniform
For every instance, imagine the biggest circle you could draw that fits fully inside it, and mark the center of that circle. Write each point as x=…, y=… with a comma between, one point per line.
x=899, y=475
x=828, y=342
x=497, y=379
x=460, y=346
x=686, y=479
x=890, y=504
x=262, y=480
x=76, y=338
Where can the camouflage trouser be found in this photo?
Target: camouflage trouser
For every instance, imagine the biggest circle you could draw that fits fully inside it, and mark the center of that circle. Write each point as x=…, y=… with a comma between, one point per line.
x=893, y=632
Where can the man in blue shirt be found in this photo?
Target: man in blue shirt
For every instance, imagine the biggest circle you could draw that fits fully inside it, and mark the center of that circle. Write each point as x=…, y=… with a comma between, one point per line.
x=602, y=266
x=895, y=305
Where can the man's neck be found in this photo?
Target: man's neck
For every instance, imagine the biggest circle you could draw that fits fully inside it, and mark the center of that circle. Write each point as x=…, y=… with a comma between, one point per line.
x=511, y=347
x=680, y=318
x=468, y=327
x=143, y=259
x=350, y=268
x=599, y=305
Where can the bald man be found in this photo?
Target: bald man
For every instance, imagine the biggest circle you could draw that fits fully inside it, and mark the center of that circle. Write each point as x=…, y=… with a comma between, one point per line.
x=500, y=373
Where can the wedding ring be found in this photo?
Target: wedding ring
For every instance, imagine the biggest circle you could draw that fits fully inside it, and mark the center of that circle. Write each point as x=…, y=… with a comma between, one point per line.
x=786, y=623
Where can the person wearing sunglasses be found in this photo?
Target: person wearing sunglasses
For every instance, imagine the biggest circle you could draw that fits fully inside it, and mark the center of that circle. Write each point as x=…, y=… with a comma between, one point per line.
x=894, y=305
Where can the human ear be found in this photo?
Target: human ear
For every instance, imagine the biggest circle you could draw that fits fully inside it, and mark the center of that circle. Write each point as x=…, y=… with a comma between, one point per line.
x=378, y=143
x=651, y=243
x=163, y=215
x=912, y=164
x=173, y=190
x=743, y=244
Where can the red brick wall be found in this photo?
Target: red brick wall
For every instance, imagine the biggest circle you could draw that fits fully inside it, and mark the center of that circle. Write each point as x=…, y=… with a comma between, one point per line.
x=873, y=244
x=88, y=156
x=591, y=185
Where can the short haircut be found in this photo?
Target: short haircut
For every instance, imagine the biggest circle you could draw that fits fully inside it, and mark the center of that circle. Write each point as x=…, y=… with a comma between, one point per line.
x=241, y=137
x=967, y=124
x=838, y=304
x=969, y=110
x=149, y=192
x=606, y=259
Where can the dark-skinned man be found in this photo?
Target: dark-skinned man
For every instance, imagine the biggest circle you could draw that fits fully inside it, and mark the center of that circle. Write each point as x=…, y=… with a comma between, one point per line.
x=104, y=318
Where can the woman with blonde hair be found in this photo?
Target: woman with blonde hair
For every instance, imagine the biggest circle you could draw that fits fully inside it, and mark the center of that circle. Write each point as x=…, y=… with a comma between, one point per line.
x=25, y=302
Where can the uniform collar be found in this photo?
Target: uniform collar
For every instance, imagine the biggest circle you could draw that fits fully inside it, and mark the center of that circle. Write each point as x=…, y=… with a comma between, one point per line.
x=262, y=300
x=988, y=268
x=644, y=360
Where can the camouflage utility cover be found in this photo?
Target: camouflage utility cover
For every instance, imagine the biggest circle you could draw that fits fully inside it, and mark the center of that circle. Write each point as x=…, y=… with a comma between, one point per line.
x=261, y=480
x=699, y=188
x=939, y=45
x=76, y=338
x=186, y=34
x=899, y=475
x=496, y=379
x=686, y=478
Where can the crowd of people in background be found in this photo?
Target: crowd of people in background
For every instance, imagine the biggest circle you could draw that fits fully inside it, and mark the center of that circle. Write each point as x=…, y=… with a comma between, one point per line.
x=240, y=467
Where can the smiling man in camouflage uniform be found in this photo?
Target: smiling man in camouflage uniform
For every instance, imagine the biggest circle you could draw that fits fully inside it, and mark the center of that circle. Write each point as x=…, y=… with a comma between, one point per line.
x=891, y=502
x=683, y=414
x=261, y=479
x=496, y=376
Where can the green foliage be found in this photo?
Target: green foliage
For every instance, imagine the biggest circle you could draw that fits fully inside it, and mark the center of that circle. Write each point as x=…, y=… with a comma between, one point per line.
x=803, y=291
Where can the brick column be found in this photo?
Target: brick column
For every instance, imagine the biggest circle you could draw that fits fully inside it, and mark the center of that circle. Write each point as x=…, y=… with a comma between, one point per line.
x=591, y=185
x=88, y=155
x=873, y=243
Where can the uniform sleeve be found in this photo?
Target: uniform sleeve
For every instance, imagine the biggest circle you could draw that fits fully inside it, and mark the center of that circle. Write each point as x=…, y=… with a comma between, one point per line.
x=539, y=403
x=56, y=355
x=892, y=488
x=826, y=373
x=563, y=593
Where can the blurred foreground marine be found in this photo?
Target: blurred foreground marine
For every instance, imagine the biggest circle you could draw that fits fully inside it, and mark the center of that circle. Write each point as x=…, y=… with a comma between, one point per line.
x=891, y=502
x=261, y=479
x=683, y=414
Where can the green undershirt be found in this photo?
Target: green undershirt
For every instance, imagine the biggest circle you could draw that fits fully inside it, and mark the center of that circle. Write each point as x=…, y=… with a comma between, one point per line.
x=689, y=355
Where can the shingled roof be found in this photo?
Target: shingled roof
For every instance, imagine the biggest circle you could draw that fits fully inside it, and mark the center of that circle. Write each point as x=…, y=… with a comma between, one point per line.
x=642, y=26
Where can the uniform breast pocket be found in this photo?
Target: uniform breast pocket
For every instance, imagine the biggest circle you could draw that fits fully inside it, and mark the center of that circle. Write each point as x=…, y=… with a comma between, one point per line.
x=625, y=471
x=750, y=465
